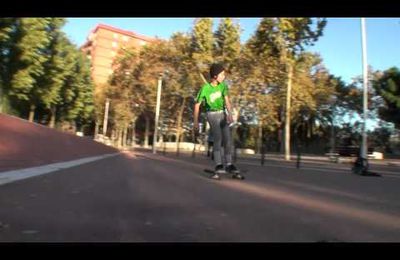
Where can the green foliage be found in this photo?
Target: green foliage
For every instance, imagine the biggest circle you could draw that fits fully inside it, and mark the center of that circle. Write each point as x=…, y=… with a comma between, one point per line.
x=202, y=45
x=387, y=87
x=227, y=43
x=55, y=67
x=76, y=94
x=41, y=68
x=27, y=57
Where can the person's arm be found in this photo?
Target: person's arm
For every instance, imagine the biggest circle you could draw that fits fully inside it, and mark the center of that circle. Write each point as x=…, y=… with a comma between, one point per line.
x=196, y=116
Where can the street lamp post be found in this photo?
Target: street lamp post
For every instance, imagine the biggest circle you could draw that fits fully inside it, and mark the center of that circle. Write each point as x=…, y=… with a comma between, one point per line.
x=157, y=112
x=364, y=149
x=333, y=104
x=361, y=164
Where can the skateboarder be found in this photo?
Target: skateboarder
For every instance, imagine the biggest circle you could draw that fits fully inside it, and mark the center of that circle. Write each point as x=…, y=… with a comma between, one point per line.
x=218, y=106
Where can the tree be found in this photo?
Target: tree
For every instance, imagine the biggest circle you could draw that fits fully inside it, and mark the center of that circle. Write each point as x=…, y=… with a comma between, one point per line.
x=26, y=61
x=387, y=87
x=55, y=68
x=227, y=43
x=75, y=103
x=202, y=45
x=312, y=95
x=7, y=26
x=124, y=91
x=379, y=139
x=285, y=38
x=260, y=80
x=84, y=101
x=137, y=72
x=42, y=72
x=181, y=83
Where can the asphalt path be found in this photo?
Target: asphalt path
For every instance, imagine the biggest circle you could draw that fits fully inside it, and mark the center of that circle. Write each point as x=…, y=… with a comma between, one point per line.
x=140, y=197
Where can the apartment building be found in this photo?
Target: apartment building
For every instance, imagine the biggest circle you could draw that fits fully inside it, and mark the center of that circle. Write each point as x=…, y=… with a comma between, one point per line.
x=102, y=46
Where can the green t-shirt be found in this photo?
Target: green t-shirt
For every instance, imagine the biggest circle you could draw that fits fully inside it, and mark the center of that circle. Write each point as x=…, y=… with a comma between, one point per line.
x=214, y=96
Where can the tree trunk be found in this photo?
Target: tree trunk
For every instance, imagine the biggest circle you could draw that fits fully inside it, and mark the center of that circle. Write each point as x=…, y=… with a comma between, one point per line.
x=287, y=114
x=105, y=123
x=1, y=100
x=259, y=140
x=52, y=122
x=96, y=128
x=332, y=137
x=235, y=129
x=124, y=136
x=179, y=123
x=281, y=134
x=177, y=145
x=133, y=143
x=32, y=113
x=146, y=132
x=119, y=139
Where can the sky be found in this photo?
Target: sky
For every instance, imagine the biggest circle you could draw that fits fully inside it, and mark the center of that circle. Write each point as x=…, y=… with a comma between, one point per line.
x=339, y=47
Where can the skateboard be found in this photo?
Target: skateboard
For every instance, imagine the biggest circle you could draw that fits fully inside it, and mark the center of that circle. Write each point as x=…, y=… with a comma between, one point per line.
x=232, y=175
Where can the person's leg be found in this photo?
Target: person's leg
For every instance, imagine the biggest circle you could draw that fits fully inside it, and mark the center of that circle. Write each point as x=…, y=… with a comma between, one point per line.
x=212, y=151
x=214, y=119
x=227, y=140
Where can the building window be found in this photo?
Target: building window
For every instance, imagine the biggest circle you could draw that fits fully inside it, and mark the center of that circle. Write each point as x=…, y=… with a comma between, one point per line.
x=125, y=38
x=142, y=43
x=114, y=44
x=115, y=36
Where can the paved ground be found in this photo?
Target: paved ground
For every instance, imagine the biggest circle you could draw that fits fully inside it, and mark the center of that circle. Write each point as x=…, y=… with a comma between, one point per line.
x=140, y=197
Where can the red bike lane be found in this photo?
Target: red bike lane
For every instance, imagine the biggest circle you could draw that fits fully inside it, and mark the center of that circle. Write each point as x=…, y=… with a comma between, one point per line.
x=24, y=144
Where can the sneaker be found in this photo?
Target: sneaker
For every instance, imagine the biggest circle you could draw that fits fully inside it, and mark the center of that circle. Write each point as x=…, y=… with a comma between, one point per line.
x=238, y=176
x=232, y=169
x=235, y=171
x=219, y=169
x=215, y=176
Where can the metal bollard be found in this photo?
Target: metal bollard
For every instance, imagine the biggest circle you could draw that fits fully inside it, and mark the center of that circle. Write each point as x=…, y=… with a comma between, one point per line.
x=298, y=157
x=262, y=155
x=194, y=139
x=194, y=151
x=177, y=149
x=360, y=166
x=165, y=148
x=234, y=153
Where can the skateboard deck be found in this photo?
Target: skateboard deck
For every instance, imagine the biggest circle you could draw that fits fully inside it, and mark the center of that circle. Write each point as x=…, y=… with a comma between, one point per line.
x=213, y=172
